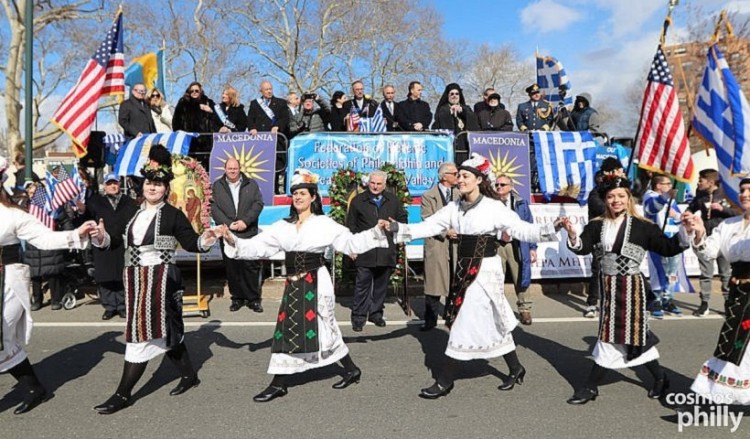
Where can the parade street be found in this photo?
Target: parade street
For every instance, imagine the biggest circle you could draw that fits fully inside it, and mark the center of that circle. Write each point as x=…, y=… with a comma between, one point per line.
x=79, y=358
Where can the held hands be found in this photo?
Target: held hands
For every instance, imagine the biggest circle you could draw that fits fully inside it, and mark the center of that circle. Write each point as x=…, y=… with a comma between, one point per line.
x=223, y=232
x=85, y=229
x=564, y=223
x=452, y=234
x=693, y=223
x=98, y=233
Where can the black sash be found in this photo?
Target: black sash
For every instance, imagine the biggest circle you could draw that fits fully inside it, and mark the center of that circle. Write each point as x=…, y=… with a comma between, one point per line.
x=297, y=323
x=471, y=250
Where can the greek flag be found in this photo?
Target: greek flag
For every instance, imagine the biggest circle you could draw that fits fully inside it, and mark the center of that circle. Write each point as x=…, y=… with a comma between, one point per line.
x=374, y=124
x=565, y=162
x=550, y=75
x=722, y=117
x=113, y=142
x=134, y=154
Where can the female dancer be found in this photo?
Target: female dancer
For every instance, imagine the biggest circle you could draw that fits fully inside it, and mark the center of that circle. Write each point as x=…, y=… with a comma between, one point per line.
x=153, y=284
x=482, y=328
x=307, y=335
x=725, y=377
x=15, y=308
x=619, y=240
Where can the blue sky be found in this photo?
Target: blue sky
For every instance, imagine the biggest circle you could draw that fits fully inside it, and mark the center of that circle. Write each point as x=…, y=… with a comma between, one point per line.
x=605, y=45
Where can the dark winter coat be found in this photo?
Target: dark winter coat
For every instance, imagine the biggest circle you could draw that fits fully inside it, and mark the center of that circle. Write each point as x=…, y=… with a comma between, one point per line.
x=135, y=117
x=248, y=209
x=364, y=214
x=109, y=262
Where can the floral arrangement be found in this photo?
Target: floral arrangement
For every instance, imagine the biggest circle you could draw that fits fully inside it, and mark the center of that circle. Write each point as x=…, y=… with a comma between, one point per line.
x=198, y=174
x=343, y=185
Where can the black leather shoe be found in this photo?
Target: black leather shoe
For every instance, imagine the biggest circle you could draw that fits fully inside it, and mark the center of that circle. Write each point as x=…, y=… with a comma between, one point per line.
x=122, y=313
x=582, y=396
x=32, y=400
x=660, y=388
x=255, y=306
x=428, y=324
x=378, y=322
x=349, y=379
x=271, y=392
x=357, y=327
x=108, y=315
x=236, y=305
x=36, y=305
x=184, y=385
x=435, y=391
x=55, y=306
x=514, y=378
x=114, y=404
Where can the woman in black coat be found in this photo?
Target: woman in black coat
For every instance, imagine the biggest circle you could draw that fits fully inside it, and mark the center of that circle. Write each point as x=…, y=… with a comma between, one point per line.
x=195, y=113
x=338, y=114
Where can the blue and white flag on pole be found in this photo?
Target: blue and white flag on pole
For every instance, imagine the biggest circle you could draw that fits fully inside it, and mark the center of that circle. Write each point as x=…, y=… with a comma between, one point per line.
x=722, y=117
x=134, y=154
x=565, y=162
x=550, y=75
x=374, y=124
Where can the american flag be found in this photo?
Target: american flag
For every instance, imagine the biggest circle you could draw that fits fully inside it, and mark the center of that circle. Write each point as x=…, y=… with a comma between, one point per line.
x=39, y=207
x=66, y=189
x=663, y=145
x=103, y=75
x=354, y=119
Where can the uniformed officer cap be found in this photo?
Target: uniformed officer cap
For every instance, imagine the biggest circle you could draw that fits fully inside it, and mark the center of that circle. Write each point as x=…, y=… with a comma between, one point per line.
x=533, y=88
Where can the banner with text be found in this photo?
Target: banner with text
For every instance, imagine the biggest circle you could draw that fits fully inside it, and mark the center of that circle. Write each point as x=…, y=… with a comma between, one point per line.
x=256, y=155
x=419, y=156
x=509, y=154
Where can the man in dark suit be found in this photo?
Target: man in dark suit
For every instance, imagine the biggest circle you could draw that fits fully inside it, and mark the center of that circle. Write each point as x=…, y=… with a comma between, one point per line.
x=237, y=203
x=390, y=109
x=135, y=114
x=115, y=209
x=375, y=266
x=269, y=113
x=365, y=106
x=415, y=114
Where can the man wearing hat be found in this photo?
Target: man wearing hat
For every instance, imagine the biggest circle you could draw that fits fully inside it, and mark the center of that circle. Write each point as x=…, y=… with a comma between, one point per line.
x=115, y=210
x=535, y=114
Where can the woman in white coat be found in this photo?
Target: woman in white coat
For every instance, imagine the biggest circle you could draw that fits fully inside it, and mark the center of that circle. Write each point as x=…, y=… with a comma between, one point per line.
x=15, y=307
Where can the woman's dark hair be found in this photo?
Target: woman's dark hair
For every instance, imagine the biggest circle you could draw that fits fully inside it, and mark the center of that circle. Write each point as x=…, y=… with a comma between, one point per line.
x=187, y=90
x=5, y=199
x=485, y=188
x=316, y=207
x=336, y=96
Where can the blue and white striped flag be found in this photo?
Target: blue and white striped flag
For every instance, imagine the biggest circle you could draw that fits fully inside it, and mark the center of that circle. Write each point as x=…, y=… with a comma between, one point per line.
x=722, y=117
x=550, y=75
x=565, y=162
x=134, y=154
x=113, y=142
x=374, y=124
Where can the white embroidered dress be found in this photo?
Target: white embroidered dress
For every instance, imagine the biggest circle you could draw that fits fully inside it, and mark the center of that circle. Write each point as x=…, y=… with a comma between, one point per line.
x=729, y=383
x=484, y=323
x=315, y=235
x=17, y=225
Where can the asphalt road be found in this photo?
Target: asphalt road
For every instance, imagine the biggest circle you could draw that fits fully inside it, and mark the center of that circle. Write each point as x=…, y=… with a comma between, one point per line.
x=79, y=358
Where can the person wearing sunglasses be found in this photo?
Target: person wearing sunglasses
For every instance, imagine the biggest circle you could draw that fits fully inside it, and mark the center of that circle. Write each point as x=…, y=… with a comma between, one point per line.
x=135, y=114
x=160, y=111
x=195, y=113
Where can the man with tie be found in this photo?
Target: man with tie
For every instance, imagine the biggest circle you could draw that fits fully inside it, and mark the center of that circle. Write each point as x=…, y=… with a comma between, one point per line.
x=135, y=114
x=414, y=113
x=269, y=113
x=440, y=250
x=517, y=256
x=535, y=114
x=375, y=266
x=365, y=106
x=389, y=108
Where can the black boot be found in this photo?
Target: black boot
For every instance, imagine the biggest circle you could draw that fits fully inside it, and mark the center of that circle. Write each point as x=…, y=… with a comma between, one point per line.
x=591, y=390
x=443, y=385
x=276, y=389
x=517, y=372
x=36, y=394
x=353, y=373
x=188, y=378
x=131, y=373
x=661, y=381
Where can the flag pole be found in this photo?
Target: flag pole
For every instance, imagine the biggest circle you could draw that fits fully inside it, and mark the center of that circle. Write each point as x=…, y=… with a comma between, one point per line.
x=665, y=27
x=28, y=90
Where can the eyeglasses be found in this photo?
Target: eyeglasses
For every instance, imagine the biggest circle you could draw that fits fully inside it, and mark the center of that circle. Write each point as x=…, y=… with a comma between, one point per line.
x=140, y=92
x=453, y=94
x=452, y=173
x=155, y=95
x=503, y=184
x=195, y=90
